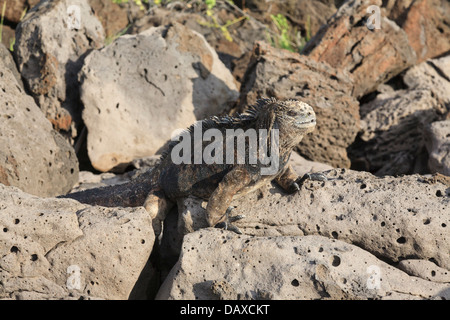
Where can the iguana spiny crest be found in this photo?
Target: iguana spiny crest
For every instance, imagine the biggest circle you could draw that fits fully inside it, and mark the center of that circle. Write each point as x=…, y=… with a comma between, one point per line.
x=280, y=125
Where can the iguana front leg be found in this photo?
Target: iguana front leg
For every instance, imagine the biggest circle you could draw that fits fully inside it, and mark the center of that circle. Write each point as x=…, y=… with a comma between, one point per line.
x=218, y=208
x=291, y=182
x=158, y=207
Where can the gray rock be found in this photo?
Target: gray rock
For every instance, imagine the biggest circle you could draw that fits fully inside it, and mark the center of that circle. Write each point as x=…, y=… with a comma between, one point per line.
x=89, y=180
x=61, y=249
x=8, y=62
x=33, y=156
x=392, y=129
x=191, y=210
x=392, y=218
x=303, y=166
x=141, y=88
x=393, y=124
x=437, y=136
x=216, y=264
x=425, y=269
x=432, y=75
x=49, y=58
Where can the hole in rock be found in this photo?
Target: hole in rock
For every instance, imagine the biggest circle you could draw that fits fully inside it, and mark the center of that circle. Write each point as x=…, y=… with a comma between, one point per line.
x=401, y=240
x=336, y=261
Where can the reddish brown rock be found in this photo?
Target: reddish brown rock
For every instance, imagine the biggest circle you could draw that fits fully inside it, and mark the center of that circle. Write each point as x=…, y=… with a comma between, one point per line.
x=371, y=56
x=112, y=17
x=427, y=25
x=15, y=9
x=286, y=75
x=62, y=121
x=8, y=35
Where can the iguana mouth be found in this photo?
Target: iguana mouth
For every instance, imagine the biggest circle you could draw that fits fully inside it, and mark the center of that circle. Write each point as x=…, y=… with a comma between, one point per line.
x=306, y=123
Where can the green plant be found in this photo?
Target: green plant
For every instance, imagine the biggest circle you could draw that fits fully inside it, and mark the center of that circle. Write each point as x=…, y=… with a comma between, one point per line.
x=210, y=4
x=284, y=39
x=12, y=42
x=287, y=37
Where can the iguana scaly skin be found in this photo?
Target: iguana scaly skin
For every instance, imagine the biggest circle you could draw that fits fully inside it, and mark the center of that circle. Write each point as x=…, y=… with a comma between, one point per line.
x=219, y=183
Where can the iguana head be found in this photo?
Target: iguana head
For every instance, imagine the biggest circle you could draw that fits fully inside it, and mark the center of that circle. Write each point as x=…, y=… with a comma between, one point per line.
x=292, y=118
x=296, y=116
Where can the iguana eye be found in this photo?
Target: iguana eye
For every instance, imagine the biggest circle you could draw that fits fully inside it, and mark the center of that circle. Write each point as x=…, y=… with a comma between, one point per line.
x=292, y=113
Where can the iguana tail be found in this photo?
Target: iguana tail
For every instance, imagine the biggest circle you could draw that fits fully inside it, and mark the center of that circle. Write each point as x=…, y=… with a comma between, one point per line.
x=130, y=194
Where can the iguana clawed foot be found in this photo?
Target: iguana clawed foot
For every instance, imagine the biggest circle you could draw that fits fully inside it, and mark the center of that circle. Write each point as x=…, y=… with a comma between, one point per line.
x=226, y=225
x=295, y=186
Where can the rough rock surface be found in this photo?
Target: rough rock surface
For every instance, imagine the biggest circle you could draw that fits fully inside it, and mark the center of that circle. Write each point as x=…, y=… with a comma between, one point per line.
x=49, y=58
x=303, y=166
x=427, y=25
x=61, y=249
x=432, y=75
x=141, y=88
x=425, y=269
x=33, y=157
x=215, y=264
x=346, y=42
x=9, y=64
x=286, y=75
x=393, y=131
x=392, y=139
x=438, y=145
x=392, y=218
x=8, y=35
x=111, y=15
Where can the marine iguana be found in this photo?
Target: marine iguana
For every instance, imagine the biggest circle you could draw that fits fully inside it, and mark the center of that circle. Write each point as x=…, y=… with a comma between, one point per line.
x=219, y=182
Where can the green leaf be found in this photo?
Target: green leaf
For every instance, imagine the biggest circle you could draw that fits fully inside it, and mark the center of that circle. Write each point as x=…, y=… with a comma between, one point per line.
x=210, y=4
